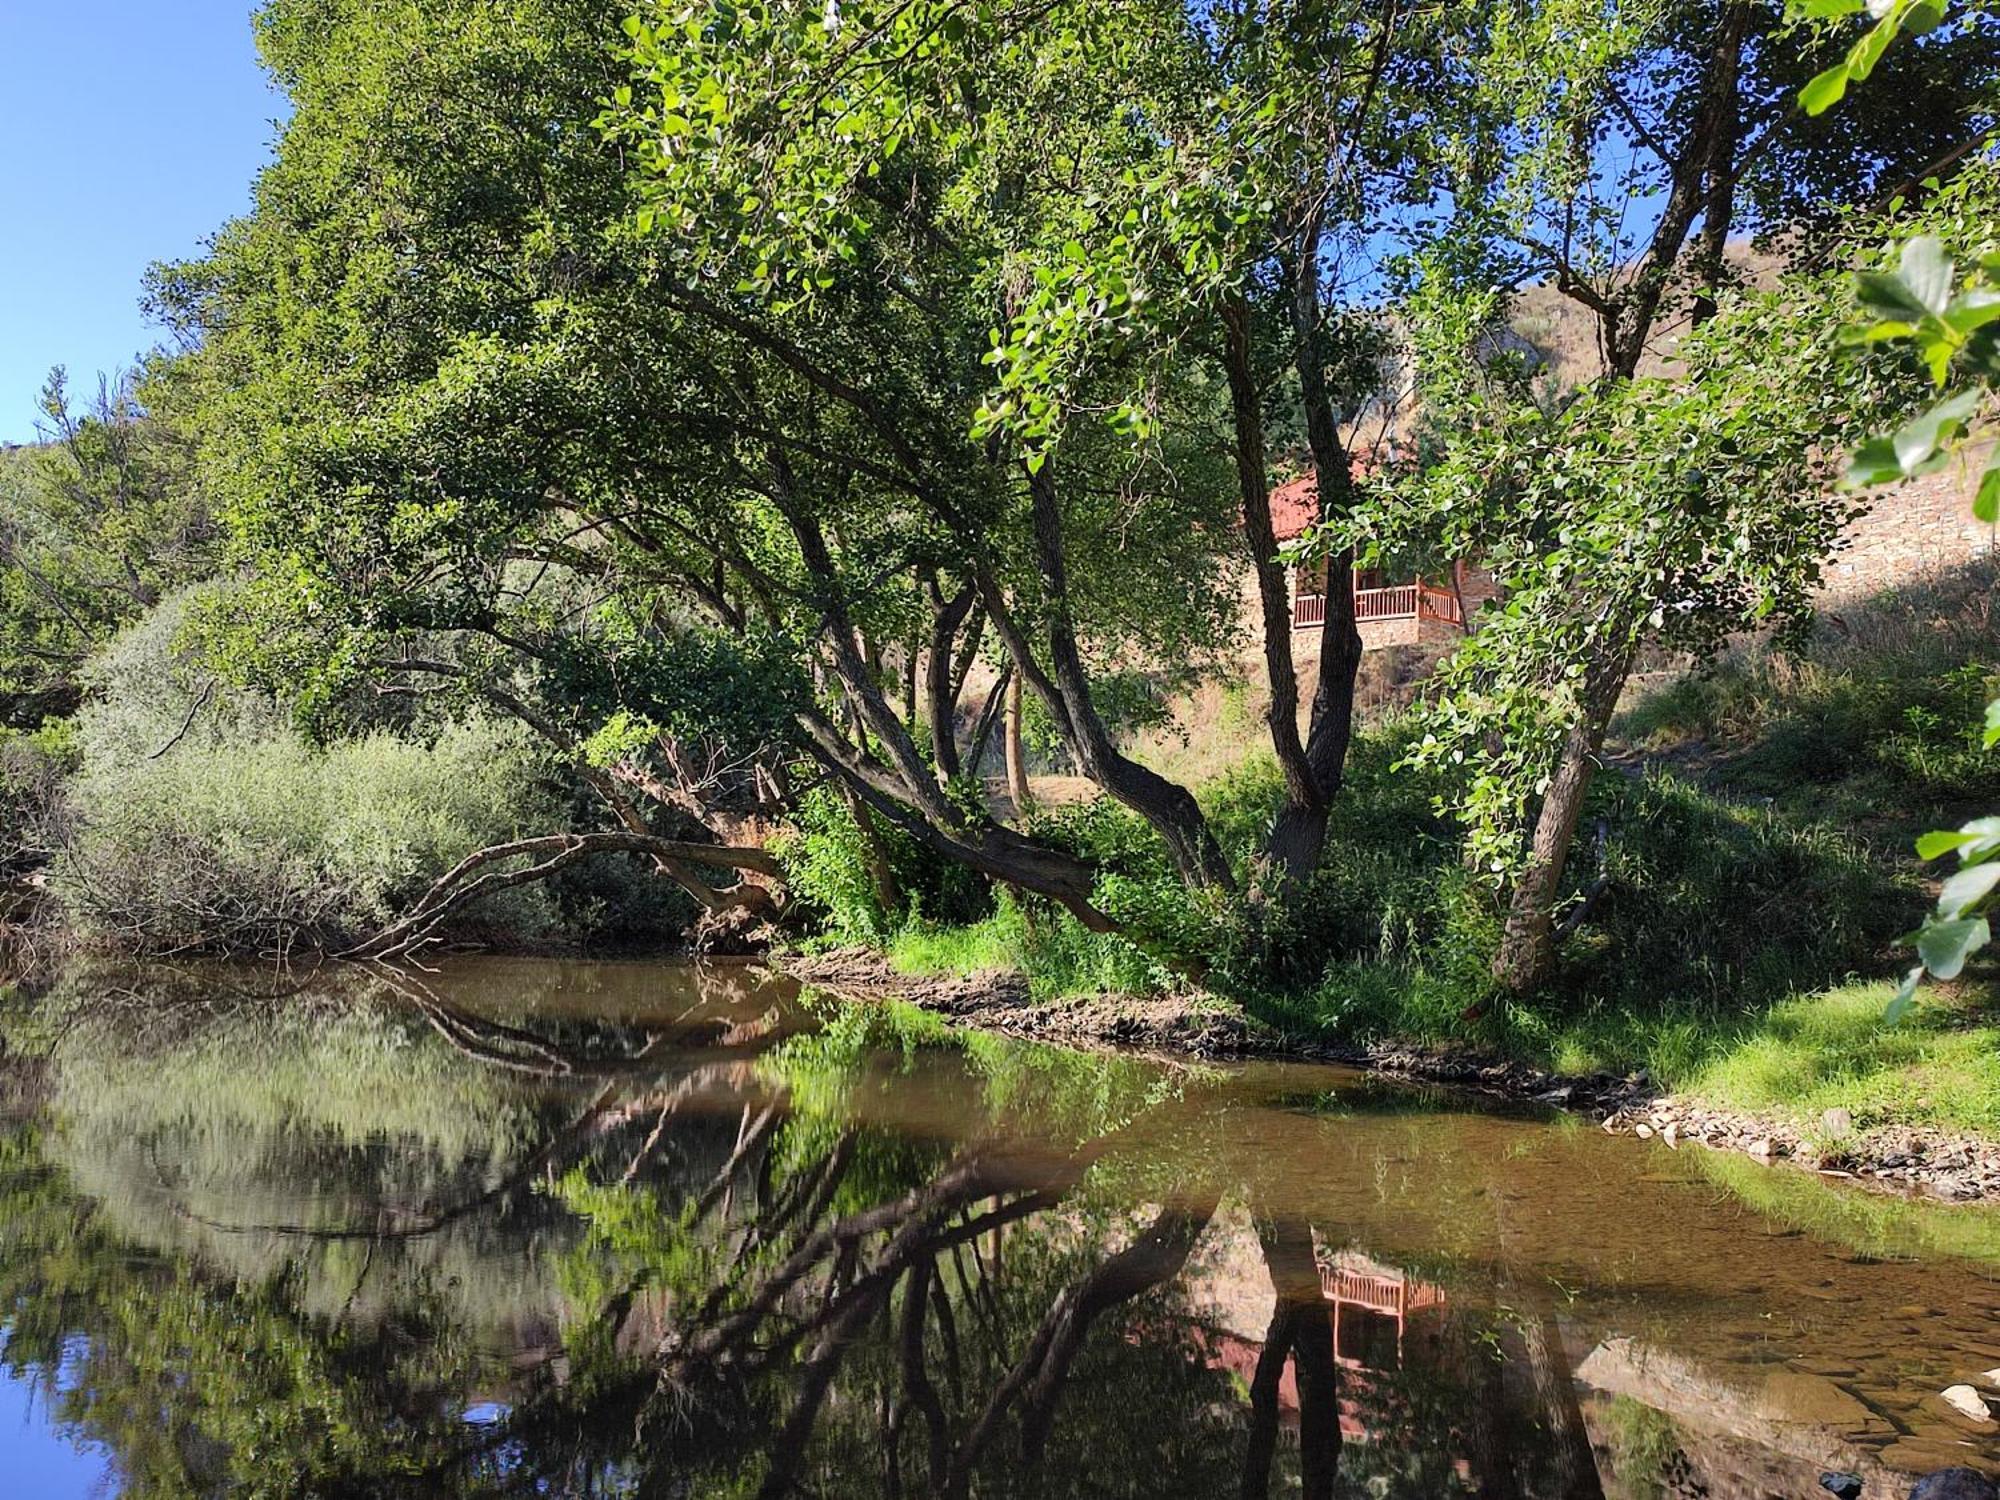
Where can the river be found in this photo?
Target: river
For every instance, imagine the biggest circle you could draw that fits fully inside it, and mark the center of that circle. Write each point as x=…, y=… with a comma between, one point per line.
x=544, y=1228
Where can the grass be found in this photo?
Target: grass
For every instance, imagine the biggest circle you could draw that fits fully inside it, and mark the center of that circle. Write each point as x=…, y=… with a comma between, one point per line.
x=925, y=948
x=1940, y=1067
x=1870, y=723
x=1059, y=958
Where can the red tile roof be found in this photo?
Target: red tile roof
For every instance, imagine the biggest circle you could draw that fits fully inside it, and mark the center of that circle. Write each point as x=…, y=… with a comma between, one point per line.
x=1294, y=507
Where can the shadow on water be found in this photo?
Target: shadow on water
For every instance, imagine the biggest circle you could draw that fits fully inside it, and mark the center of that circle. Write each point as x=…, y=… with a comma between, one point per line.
x=535, y=1228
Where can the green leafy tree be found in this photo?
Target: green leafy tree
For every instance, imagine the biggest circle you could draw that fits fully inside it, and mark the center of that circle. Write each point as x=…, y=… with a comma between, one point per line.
x=98, y=522
x=1620, y=152
x=1131, y=194
x=479, y=435
x=1707, y=496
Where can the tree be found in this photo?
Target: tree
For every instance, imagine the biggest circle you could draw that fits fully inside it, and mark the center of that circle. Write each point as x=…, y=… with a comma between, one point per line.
x=97, y=523
x=1632, y=145
x=1113, y=198
x=1708, y=498
x=479, y=435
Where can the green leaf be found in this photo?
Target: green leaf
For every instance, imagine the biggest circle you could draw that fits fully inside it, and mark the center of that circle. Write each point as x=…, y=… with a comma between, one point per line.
x=1945, y=946
x=1943, y=841
x=1926, y=271
x=1825, y=90
x=1986, y=500
x=1921, y=437
x=1972, y=309
x=1968, y=887
x=1906, y=994
x=1993, y=724
x=1885, y=291
x=1878, y=333
x=1924, y=17
x=1874, y=462
x=1867, y=52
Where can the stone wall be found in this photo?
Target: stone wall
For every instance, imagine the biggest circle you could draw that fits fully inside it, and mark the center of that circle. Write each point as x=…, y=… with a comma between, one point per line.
x=1912, y=531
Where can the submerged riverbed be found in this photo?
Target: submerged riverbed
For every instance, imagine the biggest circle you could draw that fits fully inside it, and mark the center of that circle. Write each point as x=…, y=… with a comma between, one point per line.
x=524, y=1227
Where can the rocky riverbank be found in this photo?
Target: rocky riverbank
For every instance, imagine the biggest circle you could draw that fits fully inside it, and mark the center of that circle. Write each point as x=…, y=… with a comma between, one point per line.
x=1957, y=1169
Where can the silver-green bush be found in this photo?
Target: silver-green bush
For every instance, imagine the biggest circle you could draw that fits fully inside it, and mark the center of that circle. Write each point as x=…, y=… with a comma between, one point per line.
x=201, y=820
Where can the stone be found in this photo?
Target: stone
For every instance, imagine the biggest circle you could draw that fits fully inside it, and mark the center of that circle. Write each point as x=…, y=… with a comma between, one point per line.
x=1955, y=1484
x=1921, y=1455
x=1644, y=1132
x=1991, y=1377
x=1837, y=1123
x=1760, y=1147
x=1794, y=1396
x=1844, y=1486
x=1963, y=1398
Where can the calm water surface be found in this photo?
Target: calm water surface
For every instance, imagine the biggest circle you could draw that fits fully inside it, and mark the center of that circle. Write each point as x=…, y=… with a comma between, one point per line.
x=540, y=1228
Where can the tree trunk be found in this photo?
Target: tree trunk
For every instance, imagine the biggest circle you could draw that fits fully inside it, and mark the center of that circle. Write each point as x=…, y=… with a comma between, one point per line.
x=1303, y=799
x=1526, y=957
x=942, y=680
x=985, y=846
x=1288, y=1255
x=1719, y=167
x=1261, y=1442
x=1168, y=806
x=1572, y=1465
x=881, y=874
x=1298, y=834
x=1017, y=760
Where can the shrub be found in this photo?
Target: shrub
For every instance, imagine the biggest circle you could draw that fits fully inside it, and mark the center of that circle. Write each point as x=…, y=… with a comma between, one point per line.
x=829, y=865
x=269, y=842
x=33, y=766
x=202, y=820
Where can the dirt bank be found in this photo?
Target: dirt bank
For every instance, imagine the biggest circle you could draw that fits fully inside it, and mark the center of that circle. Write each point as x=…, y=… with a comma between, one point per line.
x=1955, y=1168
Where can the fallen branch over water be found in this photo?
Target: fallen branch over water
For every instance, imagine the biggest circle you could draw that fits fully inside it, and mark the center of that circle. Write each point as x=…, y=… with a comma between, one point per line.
x=457, y=888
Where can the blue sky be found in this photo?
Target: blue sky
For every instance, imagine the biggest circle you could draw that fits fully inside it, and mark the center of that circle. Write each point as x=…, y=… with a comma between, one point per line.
x=34, y=1458
x=129, y=130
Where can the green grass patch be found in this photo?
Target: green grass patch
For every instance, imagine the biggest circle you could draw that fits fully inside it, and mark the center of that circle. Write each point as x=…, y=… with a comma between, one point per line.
x=1871, y=722
x=1051, y=948
x=1940, y=1067
x=925, y=948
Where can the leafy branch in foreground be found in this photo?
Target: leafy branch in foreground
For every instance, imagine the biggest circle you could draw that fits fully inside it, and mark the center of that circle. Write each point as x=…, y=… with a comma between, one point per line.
x=1955, y=328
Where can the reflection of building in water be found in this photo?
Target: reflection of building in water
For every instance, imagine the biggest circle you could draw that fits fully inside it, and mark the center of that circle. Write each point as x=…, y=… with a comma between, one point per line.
x=1376, y=1310
x=1379, y=1316
x=1372, y=1306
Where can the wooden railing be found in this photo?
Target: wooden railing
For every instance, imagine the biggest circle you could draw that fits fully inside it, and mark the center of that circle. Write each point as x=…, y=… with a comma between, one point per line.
x=1395, y=603
x=1388, y=1292
x=1434, y=603
x=1402, y=601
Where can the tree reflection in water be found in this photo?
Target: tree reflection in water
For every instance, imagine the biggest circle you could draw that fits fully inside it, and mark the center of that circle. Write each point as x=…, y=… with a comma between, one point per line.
x=282, y=1249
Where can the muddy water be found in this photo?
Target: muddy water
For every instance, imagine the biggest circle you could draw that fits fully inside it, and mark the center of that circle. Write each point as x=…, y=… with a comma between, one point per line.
x=534, y=1228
